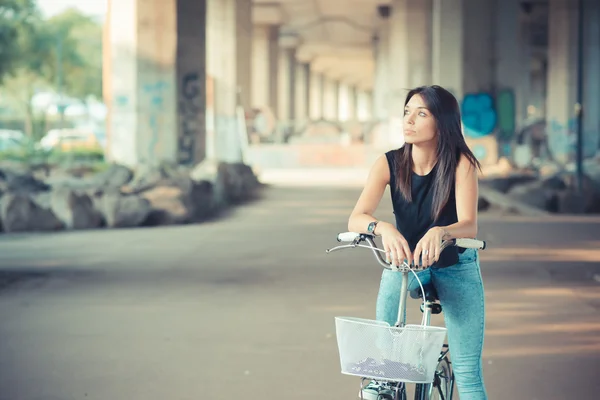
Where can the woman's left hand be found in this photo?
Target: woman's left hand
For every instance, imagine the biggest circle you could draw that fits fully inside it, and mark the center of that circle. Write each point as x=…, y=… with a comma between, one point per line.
x=429, y=247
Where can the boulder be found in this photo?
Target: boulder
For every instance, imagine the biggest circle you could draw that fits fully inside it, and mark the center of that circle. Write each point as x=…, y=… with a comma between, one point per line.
x=535, y=194
x=504, y=183
x=75, y=210
x=19, y=213
x=121, y=210
x=232, y=182
x=16, y=181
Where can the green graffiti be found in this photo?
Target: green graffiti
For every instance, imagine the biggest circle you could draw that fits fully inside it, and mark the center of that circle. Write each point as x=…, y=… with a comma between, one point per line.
x=505, y=109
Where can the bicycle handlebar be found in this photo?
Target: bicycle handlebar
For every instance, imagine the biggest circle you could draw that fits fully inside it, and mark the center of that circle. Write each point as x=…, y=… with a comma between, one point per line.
x=356, y=238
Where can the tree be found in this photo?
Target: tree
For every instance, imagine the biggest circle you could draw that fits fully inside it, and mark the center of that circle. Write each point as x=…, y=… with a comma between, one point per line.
x=17, y=19
x=77, y=54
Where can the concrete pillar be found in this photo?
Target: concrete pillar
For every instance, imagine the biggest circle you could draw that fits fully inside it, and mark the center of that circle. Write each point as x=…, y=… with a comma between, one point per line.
x=141, y=82
x=287, y=84
x=409, y=50
x=265, y=66
x=343, y=106
x=447, y=45
x=222, y=59
x=316, y=95
x=381, y=92
x=364, y=106
x=353, y=103
x=191, y=81
x=591, y=78
x=562, y=78
x=302, y=91
x=512, y=72
x=330, y=99
x=244, y=60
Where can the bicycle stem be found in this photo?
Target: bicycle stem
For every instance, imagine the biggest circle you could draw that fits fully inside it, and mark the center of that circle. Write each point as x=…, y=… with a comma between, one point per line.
x=403, y=296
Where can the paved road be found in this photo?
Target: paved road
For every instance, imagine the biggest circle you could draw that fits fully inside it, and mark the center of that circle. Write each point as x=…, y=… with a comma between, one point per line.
x=243, y=307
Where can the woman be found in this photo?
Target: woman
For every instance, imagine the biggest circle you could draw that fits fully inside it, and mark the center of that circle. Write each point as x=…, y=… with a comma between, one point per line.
x=434, y=185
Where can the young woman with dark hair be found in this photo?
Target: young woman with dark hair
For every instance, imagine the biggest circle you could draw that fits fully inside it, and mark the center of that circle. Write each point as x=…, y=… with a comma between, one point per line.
x=434, y=186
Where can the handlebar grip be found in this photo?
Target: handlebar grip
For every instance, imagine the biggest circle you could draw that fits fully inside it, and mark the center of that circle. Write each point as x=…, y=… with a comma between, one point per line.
x=347, y=236
x=470, y=243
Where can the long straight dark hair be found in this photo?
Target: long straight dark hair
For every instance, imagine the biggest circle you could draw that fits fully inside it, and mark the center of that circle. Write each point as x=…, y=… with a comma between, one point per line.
x=450, y=146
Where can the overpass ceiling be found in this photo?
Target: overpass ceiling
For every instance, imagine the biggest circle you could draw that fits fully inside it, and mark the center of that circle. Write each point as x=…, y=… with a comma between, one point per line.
x=334, y=35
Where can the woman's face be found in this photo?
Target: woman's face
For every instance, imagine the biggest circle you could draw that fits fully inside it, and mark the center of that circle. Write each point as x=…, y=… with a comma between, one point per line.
x=419, y=123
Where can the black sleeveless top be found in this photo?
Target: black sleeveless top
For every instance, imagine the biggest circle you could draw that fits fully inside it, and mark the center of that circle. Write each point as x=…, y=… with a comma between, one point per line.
x=414, y=219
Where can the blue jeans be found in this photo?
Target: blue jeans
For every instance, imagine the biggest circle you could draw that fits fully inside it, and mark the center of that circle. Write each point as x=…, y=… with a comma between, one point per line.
x=460, y=289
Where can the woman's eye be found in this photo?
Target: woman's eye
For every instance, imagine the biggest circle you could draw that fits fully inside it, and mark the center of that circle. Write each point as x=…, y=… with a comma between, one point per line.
x=422, y=114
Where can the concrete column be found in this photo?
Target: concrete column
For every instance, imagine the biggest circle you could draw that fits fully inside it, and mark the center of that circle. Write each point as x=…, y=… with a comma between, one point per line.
x=141, y=81
x=591, y=78
x=463, y=45
x=287, y=84
x=330, y=100
x=512, y=72
x=244, y=60
x=221, y=56
x=353, y=103
x=409, y=49
x=265, y=66
x=562, y=78
x=343, y=106
x=302, y=91
x=191, y=81
x=316, y=96
x=381, y=92
x=447, y=45
x=364, y=110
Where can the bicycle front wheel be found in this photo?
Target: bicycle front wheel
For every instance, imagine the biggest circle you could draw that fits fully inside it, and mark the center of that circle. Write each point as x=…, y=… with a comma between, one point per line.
x=443, y=382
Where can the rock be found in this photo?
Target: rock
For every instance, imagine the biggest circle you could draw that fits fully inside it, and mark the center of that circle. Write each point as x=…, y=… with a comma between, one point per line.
x=121, y=211
x=483, y=204
x=504, y=183
x=535, y=194
x=20, y=182
x=114, y=176
x=233, y=182
x=168, y=206
x=75, y=210
x=19, y=213
x=238, y=180
x=571, y=202
x=510, y=204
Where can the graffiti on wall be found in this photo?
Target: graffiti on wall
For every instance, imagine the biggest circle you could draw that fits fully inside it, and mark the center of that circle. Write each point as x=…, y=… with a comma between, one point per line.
x=479, y=122
x=191, y=117
x=154, y=101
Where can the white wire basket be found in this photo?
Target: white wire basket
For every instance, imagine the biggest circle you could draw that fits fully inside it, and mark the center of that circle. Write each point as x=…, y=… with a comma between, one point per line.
x=374, y=349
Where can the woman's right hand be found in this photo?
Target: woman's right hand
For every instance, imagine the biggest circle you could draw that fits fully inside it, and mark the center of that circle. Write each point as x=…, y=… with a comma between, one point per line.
x=395, y=245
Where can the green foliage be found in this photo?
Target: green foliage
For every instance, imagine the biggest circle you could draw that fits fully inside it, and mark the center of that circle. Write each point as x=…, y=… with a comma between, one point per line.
x=32, y=155
x=77, y=55
x=63, y=52
x=17, y=20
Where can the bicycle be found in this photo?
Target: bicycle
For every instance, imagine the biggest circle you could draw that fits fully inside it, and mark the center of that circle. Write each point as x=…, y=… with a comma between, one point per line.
x=402, y=342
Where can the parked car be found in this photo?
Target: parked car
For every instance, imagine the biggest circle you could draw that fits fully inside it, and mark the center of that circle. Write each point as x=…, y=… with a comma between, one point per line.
x=70, y=139
x=12, y=140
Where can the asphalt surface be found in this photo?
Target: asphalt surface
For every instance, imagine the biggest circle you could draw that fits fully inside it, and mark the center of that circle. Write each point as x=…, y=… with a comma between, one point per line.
x=244, y=306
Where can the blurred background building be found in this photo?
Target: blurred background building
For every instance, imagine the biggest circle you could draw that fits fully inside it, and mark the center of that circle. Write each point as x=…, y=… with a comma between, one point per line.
x=306, y=83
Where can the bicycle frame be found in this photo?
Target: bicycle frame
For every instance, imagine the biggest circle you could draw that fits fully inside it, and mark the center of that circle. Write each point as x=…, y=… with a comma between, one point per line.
x=423, y=391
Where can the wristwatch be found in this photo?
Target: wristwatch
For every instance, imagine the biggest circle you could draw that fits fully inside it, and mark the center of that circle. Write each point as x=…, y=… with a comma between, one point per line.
x=371, y=227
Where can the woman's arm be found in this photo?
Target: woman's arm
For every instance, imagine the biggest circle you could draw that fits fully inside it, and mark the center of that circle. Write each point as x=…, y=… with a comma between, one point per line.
x=467, y=197
x=395, y=245
x=369, y=199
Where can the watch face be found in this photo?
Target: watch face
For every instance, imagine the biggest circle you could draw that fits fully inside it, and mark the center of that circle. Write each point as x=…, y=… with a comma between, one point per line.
x=371, y=227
